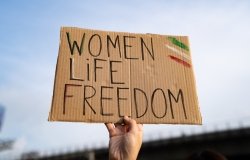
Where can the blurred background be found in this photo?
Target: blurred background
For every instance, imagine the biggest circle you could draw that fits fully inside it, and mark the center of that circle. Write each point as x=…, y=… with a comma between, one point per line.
x=219, y=38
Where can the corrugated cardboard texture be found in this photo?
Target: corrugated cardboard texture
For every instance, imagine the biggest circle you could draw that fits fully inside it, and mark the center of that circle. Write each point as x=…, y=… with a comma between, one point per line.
x=102, y=76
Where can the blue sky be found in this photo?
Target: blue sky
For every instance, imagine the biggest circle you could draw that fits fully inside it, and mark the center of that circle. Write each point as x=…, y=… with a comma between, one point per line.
x=219, y=37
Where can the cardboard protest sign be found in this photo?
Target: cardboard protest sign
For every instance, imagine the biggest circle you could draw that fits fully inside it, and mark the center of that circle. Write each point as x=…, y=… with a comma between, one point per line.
x=102, y=76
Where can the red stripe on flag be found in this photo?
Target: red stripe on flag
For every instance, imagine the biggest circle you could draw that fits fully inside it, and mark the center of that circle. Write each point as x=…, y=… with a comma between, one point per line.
x=186, y=64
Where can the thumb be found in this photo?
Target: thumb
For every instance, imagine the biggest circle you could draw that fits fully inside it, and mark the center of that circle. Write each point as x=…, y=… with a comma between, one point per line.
x=131, y=123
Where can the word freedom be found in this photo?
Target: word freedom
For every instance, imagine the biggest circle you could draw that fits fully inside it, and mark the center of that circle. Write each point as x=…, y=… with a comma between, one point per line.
x=138, y=95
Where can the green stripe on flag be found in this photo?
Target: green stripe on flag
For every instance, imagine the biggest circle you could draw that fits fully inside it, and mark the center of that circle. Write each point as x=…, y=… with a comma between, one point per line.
x=178, y=43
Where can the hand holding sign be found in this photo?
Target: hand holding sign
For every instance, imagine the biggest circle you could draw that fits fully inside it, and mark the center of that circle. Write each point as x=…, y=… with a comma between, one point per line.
x=125, y=139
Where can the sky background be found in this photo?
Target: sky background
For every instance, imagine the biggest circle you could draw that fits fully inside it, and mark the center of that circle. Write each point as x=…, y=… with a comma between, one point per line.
x=220, y=43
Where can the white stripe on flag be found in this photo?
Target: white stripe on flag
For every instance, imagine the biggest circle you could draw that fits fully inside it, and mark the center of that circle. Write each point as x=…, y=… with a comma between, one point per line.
x=178, y=52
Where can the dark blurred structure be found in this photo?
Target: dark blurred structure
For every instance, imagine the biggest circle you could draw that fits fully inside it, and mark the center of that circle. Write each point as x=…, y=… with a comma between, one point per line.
x=2, y=111
x=233, y=143
x=6, y=144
